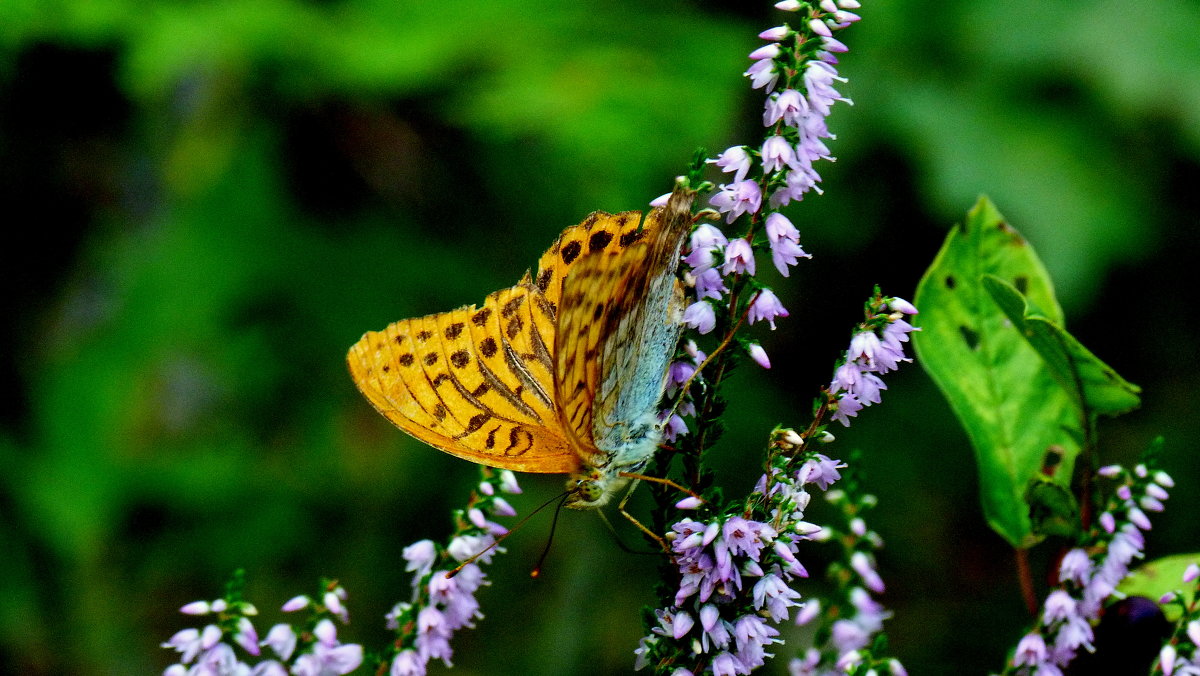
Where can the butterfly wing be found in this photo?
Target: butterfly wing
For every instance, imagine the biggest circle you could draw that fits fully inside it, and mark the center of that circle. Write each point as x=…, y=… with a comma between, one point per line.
x=618, y=322
x=598, y=233
x=474, y=382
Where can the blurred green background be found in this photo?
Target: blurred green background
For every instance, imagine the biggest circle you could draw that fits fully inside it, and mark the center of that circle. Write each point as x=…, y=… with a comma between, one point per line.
x=208, y=202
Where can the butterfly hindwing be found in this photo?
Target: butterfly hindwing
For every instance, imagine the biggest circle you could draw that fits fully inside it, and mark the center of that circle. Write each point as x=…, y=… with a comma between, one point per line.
x=460, y=383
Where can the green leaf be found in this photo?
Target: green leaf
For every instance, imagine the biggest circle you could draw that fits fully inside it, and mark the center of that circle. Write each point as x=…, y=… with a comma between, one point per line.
x=1157, y=577
x=998, y=386
x=1092, y=384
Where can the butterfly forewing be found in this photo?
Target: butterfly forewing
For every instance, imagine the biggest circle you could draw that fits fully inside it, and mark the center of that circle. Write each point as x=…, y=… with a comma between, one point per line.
x=458, y=382
x=617, y=326
x=598, y=233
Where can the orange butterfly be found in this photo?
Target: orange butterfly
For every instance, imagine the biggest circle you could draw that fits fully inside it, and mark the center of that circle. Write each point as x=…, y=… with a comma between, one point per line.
x=562, y=373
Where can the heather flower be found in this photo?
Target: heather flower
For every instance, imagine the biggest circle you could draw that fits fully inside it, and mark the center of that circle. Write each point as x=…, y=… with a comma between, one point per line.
x=328, y=656
x=763, y=74
x=705, y=239
x=737, y=198
x=766, y=306
x=759, y=355
x=710, y=284
x=736, y=160
x=778, y=153
x=700, y=316
x=798, y=182
x=282, y=640
x=739, y=258
x=788, y=106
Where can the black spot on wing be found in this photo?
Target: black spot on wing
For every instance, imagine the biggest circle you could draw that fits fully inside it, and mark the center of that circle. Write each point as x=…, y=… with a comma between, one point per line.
x=599, y=240
x=570, y=252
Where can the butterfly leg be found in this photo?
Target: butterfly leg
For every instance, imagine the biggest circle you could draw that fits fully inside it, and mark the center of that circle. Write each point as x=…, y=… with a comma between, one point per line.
x=656, y=480
x=621, y=508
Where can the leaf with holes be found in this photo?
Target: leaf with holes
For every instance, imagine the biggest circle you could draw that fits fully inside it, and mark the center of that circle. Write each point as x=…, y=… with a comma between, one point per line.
x=998, y=386
x=1094, y=386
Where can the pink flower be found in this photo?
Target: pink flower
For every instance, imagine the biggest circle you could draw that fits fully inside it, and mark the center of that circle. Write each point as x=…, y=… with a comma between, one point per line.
x=700, y=316
x=739, y=258
x=759, y=355
x=734, y=159
x=788, y=106
x=766, y=306
x=737, y=198
x=762, y=74
x=777, y=153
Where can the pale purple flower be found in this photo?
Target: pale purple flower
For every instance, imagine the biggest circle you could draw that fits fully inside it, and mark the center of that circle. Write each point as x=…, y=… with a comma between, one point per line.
x=737, y=198
x=1030, y=651
x=1190, y=574
x=865, y=567
x=788, y=5
x=682, y=623
x=759, y=355
x=464, y=547
x=786, y=253
x=799, y=182
x=1138, y=518
x=765, y=52
x=734, y=159
x=690, y=502
x=1193, y=632
x=788, y=106
x=407, y=663
x=328, y=656
x=296, y=603
x=1075, y=566
x=774, y=34
x=821, y=470
x=847, y=407
x=818, y=82
x=281, y=639
x=508, y=482
x=1166, y=659
x=246, y=636
x=1108, y=522
x=501, y=507
x=778, y=153
x=902, y=306
x=710, y=284
x=834, y=46
x=773, y=593
x=701, y=316
x=1110, y=471
x=724, y=664
x=1163, y=479
x=1058, y=607
x=762, y=74
x=766, y=306
x=739, y=258
x=661, y=200
x=196, y=608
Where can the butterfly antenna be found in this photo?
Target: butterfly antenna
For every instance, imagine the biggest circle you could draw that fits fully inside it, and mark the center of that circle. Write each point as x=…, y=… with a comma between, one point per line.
x=537, y=570
x=512, y=530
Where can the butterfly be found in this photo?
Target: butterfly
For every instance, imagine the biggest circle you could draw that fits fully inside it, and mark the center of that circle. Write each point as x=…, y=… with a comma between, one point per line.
x=561, y=373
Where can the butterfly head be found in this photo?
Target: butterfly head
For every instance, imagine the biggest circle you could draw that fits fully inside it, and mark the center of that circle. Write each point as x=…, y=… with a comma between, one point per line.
x=593, y=489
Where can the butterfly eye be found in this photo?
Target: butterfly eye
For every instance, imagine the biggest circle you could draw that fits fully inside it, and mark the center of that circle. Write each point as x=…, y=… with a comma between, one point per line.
x=587, y=490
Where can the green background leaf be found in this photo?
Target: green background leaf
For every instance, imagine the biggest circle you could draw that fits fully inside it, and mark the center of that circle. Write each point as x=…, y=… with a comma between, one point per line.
x=1093, y=385
x=1155, y=578
x=995, y=382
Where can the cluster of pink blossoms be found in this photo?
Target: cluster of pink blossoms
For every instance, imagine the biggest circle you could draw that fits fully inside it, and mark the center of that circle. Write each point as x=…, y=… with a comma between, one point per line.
x=1088, y=580
x=204, y=652
x=877, y=348
x=443, y=603
x=736, y=575
x=781, y=169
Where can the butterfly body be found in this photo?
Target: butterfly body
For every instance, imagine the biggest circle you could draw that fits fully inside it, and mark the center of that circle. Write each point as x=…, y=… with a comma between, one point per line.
x=561, y=373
